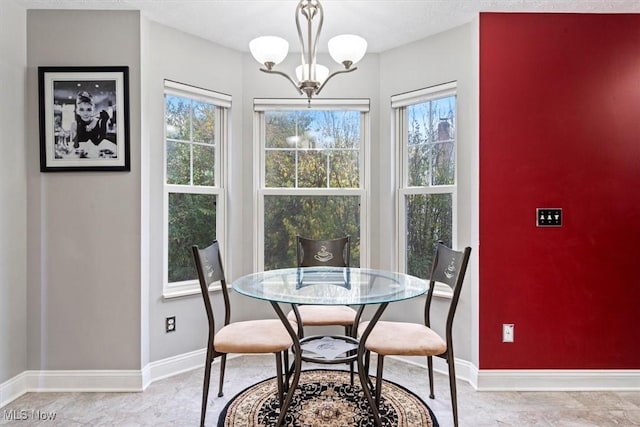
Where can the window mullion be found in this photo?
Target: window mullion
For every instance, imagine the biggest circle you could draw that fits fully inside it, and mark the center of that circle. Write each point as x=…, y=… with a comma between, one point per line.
x=297, y=151
x=430, y=145
x=328, y=165
x=191, y=142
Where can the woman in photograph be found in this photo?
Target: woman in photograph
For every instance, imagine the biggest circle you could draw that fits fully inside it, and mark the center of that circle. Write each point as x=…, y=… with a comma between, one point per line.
x=87, y=126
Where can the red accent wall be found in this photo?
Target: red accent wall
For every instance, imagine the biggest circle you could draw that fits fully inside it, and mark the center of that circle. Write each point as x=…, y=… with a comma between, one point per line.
x=560, y=127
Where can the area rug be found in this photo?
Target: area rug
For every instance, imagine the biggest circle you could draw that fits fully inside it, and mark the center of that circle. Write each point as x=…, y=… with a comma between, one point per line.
x=324, y=398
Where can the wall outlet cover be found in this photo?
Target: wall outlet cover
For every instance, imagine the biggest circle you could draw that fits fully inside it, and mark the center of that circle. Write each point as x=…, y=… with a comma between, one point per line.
x=507, y=332
x=170, y=324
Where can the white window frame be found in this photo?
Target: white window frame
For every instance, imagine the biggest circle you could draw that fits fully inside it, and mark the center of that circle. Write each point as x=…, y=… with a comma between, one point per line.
x=399, y=104
x=223, y=104
x=261, y=105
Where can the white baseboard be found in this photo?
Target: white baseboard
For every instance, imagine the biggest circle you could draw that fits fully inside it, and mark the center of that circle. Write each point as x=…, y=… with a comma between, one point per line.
x=482, y=380
x=100, y=380
x=174, y=365
x=559, y=380
x=84, y=380
x=12, y=389
x=537, y=379
x=70, y=381
x=465, y=371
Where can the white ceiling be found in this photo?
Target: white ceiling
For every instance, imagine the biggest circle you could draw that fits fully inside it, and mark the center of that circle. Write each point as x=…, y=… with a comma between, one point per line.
x=384, y=23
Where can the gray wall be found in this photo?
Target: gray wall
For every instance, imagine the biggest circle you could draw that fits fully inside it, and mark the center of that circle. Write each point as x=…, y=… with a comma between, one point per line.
x=83, y=227
x=13, y=191
x=444, y=57
x=173, y=55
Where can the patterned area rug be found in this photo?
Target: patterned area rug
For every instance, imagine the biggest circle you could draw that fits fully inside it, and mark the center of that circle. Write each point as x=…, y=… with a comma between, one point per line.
x=324, y=398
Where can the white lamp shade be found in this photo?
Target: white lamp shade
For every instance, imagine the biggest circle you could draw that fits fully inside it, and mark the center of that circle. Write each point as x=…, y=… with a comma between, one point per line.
x=321, y=73
x=269, y=49
x=347, y=47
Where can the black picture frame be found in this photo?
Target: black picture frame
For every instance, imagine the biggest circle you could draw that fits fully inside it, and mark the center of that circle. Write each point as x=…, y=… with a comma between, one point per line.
x=84, y=119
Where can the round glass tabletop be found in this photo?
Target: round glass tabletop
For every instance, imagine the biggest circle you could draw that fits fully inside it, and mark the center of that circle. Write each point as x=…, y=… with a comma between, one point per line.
x=330, y=286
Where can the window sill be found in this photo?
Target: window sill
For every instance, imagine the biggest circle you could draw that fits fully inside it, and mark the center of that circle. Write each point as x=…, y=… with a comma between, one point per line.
x=185, y=291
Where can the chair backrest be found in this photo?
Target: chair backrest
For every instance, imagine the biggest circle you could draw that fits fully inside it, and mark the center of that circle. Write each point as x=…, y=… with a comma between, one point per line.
x=449, y=267
x=332, y=253
x=209, y=267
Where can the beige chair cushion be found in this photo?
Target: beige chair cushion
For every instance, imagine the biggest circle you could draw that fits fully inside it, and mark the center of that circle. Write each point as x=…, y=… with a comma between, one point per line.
x=403, y=339
x=253, y=336
x=324, y=315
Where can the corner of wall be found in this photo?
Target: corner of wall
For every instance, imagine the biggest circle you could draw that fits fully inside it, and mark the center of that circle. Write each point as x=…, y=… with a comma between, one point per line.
x=13, y=191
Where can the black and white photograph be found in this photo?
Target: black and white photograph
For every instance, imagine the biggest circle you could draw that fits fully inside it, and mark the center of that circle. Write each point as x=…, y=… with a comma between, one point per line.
x=84, y=118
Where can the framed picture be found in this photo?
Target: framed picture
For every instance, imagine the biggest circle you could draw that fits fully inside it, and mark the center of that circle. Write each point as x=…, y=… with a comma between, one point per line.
x=84, y=119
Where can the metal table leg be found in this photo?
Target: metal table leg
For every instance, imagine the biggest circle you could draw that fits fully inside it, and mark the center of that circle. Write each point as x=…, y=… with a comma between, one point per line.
x=362, y=371
x=297, y=363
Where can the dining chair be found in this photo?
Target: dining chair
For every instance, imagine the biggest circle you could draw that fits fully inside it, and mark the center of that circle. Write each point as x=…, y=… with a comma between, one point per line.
x=413, y=339
x=253, y=336
x=331, y=253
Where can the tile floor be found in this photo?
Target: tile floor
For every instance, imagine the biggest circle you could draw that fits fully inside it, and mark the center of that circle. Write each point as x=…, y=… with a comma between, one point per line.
x=175, y=401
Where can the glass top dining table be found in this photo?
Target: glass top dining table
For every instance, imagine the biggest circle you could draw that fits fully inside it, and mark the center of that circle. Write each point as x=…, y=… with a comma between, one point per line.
x=330, y=286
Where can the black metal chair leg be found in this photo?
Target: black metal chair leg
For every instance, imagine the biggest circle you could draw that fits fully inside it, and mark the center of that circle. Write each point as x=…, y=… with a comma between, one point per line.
x=347, y=332
x=279, y=377
x=452, y=386
x=205, y=386
x=287, y=371
x=223, y=363
x=379, y=379
x=367, y=364
x=351, y=367
x=430, y=364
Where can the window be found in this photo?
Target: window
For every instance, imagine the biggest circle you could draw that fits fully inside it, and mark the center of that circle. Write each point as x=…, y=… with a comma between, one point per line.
x=313, y=175
x=194, y=196
x=425, y=126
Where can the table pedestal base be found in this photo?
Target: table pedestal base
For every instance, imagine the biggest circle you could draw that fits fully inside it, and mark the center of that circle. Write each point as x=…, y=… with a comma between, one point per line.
x=358, y=356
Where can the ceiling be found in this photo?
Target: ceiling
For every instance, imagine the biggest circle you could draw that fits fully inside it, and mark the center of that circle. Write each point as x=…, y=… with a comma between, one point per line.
x=385, y=24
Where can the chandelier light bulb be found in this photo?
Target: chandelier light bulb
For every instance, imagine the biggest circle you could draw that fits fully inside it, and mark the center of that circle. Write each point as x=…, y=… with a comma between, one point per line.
x=347, y=48
x=269, y=49
x=321, y=73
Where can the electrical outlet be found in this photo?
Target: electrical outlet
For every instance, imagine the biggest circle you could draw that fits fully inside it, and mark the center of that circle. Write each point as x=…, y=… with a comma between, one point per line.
x=170, y=324
x=507, y=332
x=549, y=217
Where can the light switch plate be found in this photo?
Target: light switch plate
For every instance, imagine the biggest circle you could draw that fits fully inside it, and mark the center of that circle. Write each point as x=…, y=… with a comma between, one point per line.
x=549, y=217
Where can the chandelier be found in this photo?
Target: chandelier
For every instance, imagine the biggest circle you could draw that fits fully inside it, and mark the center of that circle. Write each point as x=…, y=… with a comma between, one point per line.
x=311, y=77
